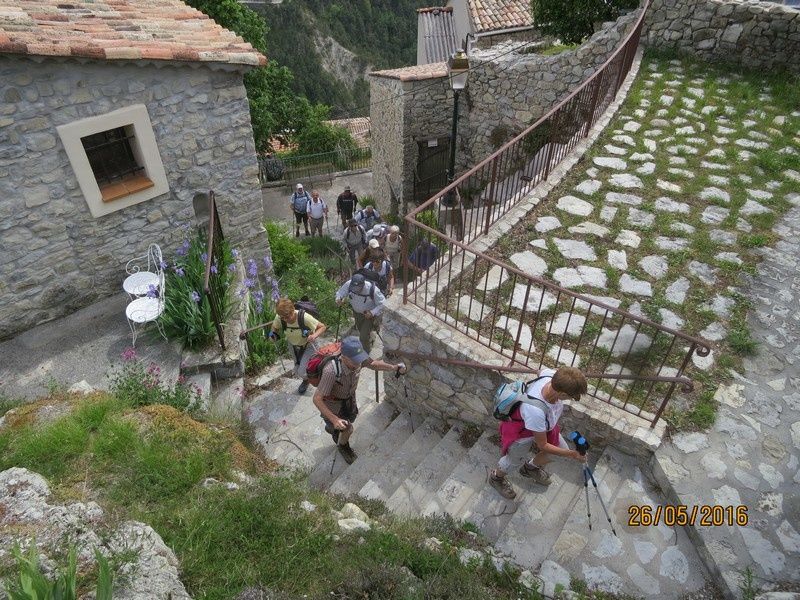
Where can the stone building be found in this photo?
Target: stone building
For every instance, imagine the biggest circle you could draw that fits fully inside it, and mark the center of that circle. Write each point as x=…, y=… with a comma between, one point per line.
x=113, y=115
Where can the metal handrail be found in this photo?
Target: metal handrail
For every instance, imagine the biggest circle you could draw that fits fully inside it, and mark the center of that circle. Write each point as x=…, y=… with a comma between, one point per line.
x=505, y=174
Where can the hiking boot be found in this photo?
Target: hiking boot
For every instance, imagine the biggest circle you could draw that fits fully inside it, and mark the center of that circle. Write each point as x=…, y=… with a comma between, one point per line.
x=538, y=474
x=347, y=453
x=296, y=233
x=303, y=387
x=501, y=485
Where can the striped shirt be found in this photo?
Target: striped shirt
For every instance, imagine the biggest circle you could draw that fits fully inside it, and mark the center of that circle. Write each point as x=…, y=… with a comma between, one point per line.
x=344, y=388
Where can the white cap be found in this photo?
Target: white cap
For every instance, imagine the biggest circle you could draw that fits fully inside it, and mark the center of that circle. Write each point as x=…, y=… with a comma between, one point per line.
x=373, y=243
x=299, y=186
x=377, y=230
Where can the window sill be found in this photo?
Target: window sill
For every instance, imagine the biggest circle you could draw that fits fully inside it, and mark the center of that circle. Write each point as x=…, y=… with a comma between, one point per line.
x=126, y=187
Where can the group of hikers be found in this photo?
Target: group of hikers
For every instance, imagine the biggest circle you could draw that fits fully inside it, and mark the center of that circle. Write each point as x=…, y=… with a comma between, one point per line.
x=374, y=249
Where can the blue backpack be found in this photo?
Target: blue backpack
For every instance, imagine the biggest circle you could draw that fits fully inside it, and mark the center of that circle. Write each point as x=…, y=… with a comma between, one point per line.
x=303, y=201
x=510, y=395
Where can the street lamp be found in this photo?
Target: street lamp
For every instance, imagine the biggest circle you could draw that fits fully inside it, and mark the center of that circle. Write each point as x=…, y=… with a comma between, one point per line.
x=457, y=72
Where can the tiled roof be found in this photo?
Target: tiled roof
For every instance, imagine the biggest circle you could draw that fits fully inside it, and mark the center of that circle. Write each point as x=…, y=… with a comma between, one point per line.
x=492, y=15
x=359, y=128
x=415, y=73
x=119, y=30
x=437, y=33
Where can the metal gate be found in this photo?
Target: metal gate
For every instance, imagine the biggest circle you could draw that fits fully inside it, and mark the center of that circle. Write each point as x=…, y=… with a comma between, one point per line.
x=430, y=176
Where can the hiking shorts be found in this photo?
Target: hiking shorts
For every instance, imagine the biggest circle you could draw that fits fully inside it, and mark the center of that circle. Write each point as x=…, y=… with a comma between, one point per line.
x=344, y=409
x=316, y=225
x=301, y=218
x=519, y=452
x=302, y=354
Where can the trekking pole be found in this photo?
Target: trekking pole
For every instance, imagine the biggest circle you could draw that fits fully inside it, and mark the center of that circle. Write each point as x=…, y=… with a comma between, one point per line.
x=327, y=225
x=586, y=489
x=377, y=400
x=333, y=463
x=405, y=393
x=588, y=471
x=338, y=321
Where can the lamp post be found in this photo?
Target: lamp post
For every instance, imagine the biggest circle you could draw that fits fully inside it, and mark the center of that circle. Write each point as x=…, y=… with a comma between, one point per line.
x=457, y=72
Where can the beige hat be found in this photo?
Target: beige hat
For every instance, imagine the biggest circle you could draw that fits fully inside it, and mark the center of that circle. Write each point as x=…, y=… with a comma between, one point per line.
x=374, y=244
x=394, y=229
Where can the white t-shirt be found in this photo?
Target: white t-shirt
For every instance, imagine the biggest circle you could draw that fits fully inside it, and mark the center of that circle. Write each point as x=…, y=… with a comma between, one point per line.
x=316, y=210
x=533, y=414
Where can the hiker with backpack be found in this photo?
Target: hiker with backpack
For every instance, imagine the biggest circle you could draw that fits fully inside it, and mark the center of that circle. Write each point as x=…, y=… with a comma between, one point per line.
x=301, y=329
x=346, y=205
x=372, y=251
x=317, y=211
x=529, y=415
x=393, y=246
x=354, y=240
x=298, y=202
x=367, y=217
x=366, y=300
x=378, y=263
x=336, y=373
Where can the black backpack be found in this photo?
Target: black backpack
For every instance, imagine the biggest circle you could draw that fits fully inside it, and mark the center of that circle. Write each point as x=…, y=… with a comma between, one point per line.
x=375, y=278
x=303, y=306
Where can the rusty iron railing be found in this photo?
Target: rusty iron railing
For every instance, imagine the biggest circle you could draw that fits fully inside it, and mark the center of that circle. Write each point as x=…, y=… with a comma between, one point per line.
x=213, y=285
x=634, y=362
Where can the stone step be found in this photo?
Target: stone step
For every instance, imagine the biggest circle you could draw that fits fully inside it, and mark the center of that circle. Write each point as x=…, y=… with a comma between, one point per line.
x=227, y=397
x=467, y=478
x=415, y=492
x=427, y=434
x=373, y=457
x=652, y=562
x=489, y=512
x=541, y=513
x=371, y=421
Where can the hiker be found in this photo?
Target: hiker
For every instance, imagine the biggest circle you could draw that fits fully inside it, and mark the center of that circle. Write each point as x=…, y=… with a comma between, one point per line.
x=378, y=232
x=367, y=217
x=317, y=212
x=393, y=246
x=373, y=250
x=299, y=205
x=346, y=205
x=424, y=255
x=301, y=330
x=534, y=424
x=354, y=240
x=366, y=300
x=335, y=397
x=379, y=264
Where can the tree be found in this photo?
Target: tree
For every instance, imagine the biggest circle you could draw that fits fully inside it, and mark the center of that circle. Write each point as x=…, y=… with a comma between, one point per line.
x=573, y=20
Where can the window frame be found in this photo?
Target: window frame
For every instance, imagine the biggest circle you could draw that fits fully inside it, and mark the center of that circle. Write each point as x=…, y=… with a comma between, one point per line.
x=108, y=198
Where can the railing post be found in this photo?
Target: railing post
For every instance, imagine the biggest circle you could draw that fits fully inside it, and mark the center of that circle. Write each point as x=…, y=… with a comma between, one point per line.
x=553, y=125
x=490, y=204
x=595, y=97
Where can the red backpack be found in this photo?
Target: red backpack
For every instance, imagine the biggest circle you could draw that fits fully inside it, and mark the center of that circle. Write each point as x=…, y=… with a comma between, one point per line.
x=329, y=352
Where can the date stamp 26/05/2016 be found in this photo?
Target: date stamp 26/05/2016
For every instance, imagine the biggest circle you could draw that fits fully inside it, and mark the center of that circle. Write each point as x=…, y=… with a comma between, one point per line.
x=703, y=515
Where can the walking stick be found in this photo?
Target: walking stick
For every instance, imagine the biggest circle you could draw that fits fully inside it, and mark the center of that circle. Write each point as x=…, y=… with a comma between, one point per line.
x=587, y=472
x=327, y=225
x=338, y=321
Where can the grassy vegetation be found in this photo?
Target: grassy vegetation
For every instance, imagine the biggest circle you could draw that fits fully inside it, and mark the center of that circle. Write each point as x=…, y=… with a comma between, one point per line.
x=147, y=463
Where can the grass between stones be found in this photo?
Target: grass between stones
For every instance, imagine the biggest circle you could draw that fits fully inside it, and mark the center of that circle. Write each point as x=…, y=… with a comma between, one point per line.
x=712, y=156
x=148, y=463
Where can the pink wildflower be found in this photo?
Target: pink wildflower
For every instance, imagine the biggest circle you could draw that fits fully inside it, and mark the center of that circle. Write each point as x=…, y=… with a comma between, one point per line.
x=284, y=422
x=129, y=354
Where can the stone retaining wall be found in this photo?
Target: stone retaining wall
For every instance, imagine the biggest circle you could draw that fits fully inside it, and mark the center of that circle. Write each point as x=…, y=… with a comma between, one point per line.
x=759, y=35
x=54, y=255
x=460, y=394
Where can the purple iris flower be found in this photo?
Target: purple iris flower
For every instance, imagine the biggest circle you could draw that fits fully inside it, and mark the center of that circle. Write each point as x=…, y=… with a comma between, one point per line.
x=268, y=263
x=276, y=293
x=179, y=271
x=232, y=267
x=163, y=264
x=204, y=256
x=242, y=292
x=214, y=269
x=249, y=283
x=252, y=268
x=195, y=296
x=183, y=249
x=235, y=253
x=152, y=291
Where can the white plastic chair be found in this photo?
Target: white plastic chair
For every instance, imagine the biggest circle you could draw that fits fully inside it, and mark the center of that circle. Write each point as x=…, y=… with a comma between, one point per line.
x=139, y=280
x=144, y=310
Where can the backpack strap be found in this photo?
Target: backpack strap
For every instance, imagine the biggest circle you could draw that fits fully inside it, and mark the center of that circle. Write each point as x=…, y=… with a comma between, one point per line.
x=301, y=319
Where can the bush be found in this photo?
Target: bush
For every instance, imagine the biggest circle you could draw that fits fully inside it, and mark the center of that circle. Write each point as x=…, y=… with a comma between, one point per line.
x=136, y=385
x=187, y=312
x=285, y=251
x=572, y=21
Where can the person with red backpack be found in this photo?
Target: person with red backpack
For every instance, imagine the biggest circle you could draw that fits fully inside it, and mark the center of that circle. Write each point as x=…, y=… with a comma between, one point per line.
x=335, y=397
x=533, y=423
x=301, y=330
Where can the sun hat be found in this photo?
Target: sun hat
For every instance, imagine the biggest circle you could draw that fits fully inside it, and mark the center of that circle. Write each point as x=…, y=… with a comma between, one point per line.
x=394, y=229
x=373, y=243
x=377, y=230
x=352, y=349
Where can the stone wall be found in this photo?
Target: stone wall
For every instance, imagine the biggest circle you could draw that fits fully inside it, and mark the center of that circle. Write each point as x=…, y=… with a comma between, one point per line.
x=508, y=90
x=387, y=129
x=759, y=35
x=54, y=256
x=462, y=394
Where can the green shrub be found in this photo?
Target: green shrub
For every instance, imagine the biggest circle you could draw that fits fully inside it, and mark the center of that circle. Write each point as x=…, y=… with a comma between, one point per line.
x=367, y=201
x=285, y=250
x=571, y=21
x=187, y=312
x=138, y=385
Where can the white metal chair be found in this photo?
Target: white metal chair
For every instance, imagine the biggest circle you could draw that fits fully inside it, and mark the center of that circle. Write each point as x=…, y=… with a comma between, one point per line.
x=146, y=309
x=139, y=281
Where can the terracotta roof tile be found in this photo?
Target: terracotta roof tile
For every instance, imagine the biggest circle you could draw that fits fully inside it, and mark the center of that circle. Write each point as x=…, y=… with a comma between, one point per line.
x=492, y=15
x=415, y=73
x=119, y=30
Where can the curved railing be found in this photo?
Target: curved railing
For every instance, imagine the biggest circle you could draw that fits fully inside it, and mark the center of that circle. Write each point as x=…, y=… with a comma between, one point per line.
x=636, y=363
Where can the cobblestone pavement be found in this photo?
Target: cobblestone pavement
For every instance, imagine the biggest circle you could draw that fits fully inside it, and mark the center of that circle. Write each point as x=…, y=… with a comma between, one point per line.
x=750, y=457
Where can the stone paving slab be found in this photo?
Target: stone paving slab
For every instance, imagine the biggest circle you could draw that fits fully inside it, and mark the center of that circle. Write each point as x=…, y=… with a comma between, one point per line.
x=751, y=455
